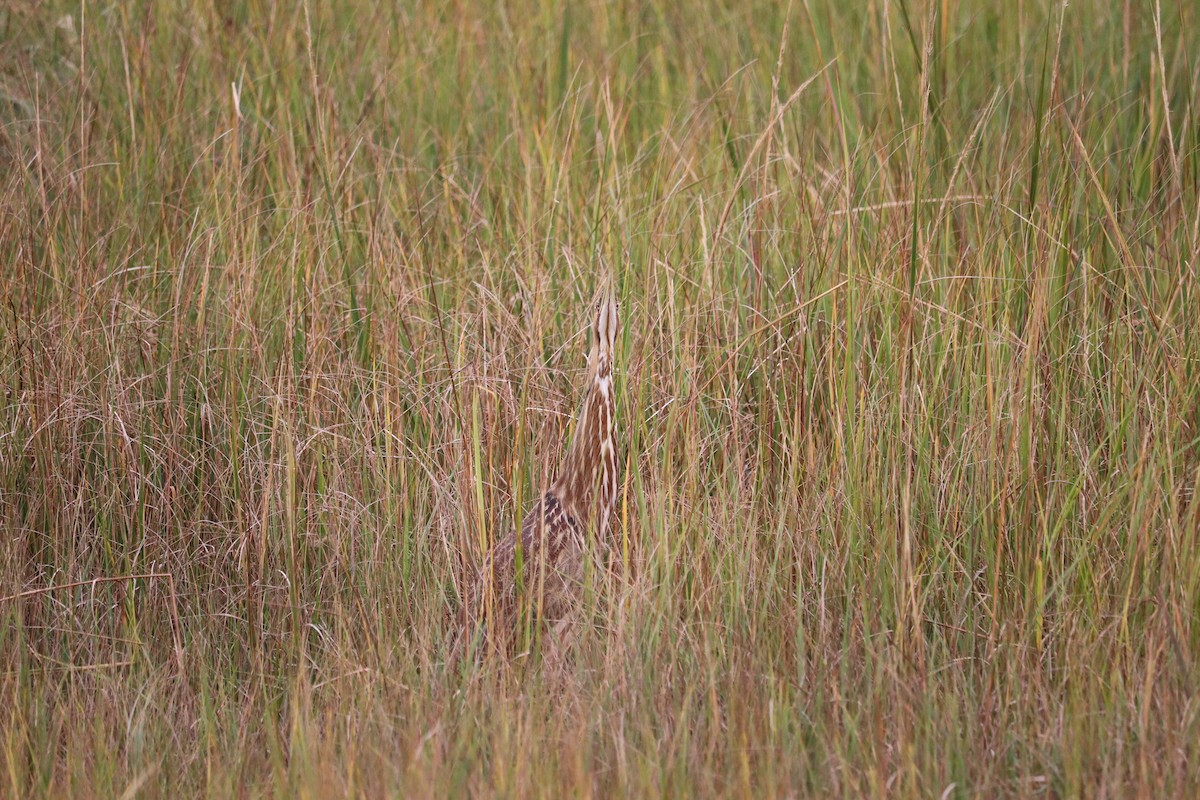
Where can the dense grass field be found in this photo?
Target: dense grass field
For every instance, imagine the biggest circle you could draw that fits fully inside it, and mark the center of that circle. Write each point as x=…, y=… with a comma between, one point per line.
x=294, y=306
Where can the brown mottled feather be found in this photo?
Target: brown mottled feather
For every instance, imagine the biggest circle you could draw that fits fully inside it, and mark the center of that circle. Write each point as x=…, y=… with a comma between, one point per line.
x=554, y=535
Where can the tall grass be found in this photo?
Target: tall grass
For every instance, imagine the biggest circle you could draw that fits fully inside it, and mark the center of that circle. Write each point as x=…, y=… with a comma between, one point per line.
x=294, y=299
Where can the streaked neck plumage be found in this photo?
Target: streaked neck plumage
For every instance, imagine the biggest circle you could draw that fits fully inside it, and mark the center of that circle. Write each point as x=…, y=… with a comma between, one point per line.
x=587, y=483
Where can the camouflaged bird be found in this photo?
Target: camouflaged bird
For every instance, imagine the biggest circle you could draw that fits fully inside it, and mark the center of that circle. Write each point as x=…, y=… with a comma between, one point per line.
x=542, y=568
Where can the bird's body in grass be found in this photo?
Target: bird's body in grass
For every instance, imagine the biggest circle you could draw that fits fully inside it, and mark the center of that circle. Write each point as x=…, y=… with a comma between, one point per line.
x=541, y=567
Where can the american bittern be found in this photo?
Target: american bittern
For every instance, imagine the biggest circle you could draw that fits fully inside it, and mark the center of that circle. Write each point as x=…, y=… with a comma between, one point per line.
x=542, y=567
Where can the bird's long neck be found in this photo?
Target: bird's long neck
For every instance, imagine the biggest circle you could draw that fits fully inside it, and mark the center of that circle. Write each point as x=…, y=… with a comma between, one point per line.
x=587, y=484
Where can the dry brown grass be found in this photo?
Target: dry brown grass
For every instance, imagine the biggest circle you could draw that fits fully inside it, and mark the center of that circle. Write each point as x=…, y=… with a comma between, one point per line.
x=291, y=306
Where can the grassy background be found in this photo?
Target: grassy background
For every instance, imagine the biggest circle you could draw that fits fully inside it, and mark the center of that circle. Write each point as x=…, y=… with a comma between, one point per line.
x=292, y=327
